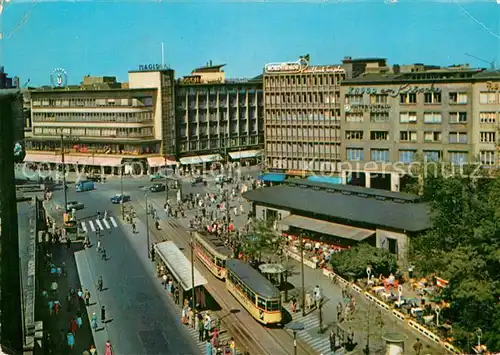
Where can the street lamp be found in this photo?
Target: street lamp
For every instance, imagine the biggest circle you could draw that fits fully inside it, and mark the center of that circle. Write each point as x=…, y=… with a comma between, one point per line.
x=295, y=327
x=303, y=306
x=192, y=276
x=147, y=224
x=121, y=187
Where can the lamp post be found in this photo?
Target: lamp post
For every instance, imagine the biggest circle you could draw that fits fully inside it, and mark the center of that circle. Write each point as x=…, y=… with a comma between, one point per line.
x=192, y=277
x=121, y=188
x=147, y=224
x=295, y=327
x=303, y=306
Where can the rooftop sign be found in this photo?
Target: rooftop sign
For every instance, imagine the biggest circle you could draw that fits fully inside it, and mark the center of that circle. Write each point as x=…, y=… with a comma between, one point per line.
x=153, y=67
x=287, y=67
x=325, y=69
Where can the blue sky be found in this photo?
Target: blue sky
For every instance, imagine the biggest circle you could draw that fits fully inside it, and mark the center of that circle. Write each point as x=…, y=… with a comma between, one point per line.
x=110, y=38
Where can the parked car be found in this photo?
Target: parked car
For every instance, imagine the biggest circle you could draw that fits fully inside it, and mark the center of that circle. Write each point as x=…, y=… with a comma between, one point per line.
x=157, y=176
x=74, y=205
x=157, y=188
x=223, y=179
x=120, y=198
x=196, y=180
x=86, y=185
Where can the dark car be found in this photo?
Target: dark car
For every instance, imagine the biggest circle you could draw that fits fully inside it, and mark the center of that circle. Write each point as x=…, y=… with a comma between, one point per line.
x=120, y=199
x=157, y=188
x=74, y=205
x=196, y=180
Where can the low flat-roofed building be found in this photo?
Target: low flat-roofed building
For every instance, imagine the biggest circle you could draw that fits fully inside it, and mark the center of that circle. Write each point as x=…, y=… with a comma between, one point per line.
x=344, y=214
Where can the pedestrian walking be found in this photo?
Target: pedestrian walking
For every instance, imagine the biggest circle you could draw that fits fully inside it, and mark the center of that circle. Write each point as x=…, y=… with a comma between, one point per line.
x=201, y=329
x=57, y=307
x=134, y=230
x=73, y=326
x=68, y=243
x=94, y=322
x=79, y=320
x=98, y=249
x=70, y=338
x=103, y=255
x=86, y=297
x=51, y=307
x=339, y=312
x=207, y=326
x=232, y=346
x=208, y=347
x=100, y=284
x=108, y=348
x=165, y=281
x=93, y=350
x=417, y=347
x=103, y=314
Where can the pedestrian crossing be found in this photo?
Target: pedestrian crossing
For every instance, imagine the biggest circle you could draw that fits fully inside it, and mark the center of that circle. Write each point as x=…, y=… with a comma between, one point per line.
x=310, y=335
x=101, y=224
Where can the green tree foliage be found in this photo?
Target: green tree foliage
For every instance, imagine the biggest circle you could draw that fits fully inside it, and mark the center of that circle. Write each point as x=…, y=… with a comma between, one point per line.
x=262, y=239
x=463, y=247
x=352, y=263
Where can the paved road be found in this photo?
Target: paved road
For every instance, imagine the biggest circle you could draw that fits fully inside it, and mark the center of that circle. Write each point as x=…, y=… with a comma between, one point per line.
x=141, y=320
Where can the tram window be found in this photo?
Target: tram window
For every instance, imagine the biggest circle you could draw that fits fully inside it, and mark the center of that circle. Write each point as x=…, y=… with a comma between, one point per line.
x=219, y=262
x=261, y=303
x=273, y=306
x=251, y=296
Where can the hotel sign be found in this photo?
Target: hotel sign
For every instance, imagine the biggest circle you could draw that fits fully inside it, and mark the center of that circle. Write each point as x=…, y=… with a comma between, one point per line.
x=153, y=67
x=403, y=89
x=287, y=67
x=367, y=108
x=194, y=79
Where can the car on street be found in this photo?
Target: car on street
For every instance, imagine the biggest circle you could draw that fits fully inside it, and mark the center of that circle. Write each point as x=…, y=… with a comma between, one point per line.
x=196, y=180
x=120, y=198
x=220, y=179
x=157, y=188
x=74, y=205
x=86, y=185
x=157, y=176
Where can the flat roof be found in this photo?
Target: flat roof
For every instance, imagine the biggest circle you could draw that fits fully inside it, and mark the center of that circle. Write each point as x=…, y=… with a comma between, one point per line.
x=333, y=203
x=88, y=90
x=254, y=279
x=215, y=243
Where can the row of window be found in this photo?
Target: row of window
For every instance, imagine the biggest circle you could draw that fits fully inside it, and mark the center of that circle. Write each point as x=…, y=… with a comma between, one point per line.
x=214, y=130
x=304, y=80
x=304, y=148
x=124, y=117
x=267, y=305
x=292, y=133
x=303, y=98
x=212, y=258
x=95, y=148
x=302, y=115
x=214, y=101
x=95, y=132
x=212, y=91
x=430, y=136
x=222, y=143
x=406, y=155
x=221, y=116
x=93, y=102
x=410, y=117
x=311, y=164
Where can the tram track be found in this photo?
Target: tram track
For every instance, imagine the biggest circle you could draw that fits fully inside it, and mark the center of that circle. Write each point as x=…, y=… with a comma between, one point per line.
x=250, y=335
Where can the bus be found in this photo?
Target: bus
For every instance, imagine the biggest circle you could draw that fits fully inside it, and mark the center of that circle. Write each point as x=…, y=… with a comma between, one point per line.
x=259, y=296
x=212, y=253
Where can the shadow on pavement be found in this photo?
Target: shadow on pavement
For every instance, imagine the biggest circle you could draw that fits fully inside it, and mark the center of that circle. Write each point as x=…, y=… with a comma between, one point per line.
x=57, y=324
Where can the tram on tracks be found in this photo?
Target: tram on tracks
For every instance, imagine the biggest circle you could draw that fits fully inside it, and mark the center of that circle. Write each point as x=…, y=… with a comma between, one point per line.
x=212, y=252
x=259, y=296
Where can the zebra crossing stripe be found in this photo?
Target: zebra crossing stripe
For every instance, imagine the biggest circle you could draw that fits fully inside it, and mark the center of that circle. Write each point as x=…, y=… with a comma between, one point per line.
x=84, y=227
x=106, y=223
x=113, y=222
x=92, y=226
x=99, y=224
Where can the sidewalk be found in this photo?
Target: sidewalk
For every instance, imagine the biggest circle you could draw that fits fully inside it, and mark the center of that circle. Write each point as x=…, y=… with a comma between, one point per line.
x=57, y=325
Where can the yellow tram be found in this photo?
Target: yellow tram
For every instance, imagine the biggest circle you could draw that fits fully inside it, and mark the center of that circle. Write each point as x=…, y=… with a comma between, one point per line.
x=212, y=253
x=259, y=296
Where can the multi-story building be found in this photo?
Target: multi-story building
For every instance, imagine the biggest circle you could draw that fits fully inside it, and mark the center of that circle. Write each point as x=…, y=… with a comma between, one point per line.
x=98, y=123
x=218, y=119
x=6, y=82
x=391, y=119
x=303, y=116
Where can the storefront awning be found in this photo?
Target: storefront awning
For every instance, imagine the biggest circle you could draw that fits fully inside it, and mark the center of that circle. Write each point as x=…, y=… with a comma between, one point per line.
x=200, y=159
x=78, y=159
x=42, y=158
x=160, y=162
x=272, y=177
x=245, y=154
x=328, y=228
x=211, y=158
x=179, y=265
x=105, y=161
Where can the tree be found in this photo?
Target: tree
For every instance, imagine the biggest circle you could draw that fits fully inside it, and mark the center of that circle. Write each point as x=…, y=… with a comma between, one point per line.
x=463, y=247
x=352, y=263
x=262, y=239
